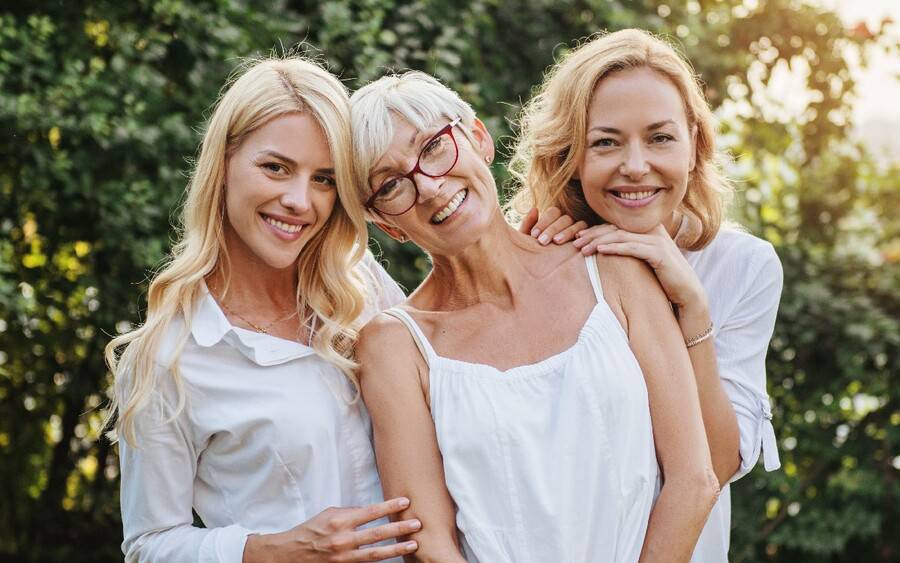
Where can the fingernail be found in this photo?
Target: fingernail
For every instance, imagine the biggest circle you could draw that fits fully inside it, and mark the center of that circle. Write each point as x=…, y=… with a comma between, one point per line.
x=414, y=525
x=403, y=502
x=543, y=239
x=558, y=237
x=411, y=546
x=535, y=232
x=578, y=243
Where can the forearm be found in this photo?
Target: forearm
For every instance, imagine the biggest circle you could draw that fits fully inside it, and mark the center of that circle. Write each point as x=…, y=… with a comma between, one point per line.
x=435, y=548
x=719, y=418
x=678, y=518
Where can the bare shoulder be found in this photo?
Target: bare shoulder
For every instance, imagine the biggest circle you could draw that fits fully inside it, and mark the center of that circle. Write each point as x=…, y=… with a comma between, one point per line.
x=386, y=351
x=621, y=275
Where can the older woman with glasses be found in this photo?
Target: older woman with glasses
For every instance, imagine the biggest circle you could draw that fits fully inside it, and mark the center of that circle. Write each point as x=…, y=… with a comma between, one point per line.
x=512, y=393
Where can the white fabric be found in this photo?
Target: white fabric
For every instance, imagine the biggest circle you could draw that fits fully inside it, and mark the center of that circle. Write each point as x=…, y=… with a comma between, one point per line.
x=553, y=461
x=742, y=277
x=266, y=441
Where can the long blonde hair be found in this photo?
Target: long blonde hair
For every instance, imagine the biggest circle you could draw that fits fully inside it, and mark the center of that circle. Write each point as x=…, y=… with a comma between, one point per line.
x=552, y=130
x=330, y=293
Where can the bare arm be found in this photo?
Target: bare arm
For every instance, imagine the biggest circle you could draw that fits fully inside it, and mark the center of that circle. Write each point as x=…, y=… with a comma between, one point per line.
x=406, y=448
x=683, y=289
x=690, y=487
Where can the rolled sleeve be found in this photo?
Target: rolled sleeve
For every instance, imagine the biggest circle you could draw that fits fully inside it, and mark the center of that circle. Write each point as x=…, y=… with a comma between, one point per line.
x=157, y=495
x=741, y=346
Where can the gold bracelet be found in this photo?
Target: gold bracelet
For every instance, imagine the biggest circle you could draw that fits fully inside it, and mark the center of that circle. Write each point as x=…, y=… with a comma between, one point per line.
x=693, y=341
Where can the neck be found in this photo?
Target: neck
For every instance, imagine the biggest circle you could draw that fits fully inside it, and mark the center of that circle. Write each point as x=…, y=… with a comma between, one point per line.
x=249, y=284
x=489, y=270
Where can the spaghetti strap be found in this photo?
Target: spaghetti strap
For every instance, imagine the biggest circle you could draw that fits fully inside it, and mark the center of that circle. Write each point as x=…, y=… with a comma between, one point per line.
x=594, y=274
x=418, y=336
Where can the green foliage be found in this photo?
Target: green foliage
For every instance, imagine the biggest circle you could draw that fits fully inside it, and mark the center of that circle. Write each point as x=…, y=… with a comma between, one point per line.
x=102, y=104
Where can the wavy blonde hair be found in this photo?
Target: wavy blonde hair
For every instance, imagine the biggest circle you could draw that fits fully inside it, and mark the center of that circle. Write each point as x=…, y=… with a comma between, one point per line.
x=330, y=291
x=552, y=131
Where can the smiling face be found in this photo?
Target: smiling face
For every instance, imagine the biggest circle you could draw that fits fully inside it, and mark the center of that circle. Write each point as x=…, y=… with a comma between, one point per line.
x=639, y=150
x=280, y=191
x=451, y=211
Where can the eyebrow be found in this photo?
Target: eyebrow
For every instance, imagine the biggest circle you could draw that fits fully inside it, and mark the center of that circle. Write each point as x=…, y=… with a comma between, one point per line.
x=387, y=167
x=291, y=162
x=278, y=155
x=651, y=127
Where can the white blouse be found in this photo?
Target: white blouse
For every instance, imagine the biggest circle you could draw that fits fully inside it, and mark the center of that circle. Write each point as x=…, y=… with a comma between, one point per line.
x=267, y=440
x=742, y=277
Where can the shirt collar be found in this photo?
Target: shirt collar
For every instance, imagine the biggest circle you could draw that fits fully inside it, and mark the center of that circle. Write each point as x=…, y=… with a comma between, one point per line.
x=210, y=326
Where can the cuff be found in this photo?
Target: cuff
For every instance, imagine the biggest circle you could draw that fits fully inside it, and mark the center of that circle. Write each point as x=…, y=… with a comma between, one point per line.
x=224, y=545
x=757, y=436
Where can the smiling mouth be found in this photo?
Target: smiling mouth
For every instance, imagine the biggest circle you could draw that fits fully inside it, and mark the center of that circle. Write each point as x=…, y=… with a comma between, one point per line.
x=288, y=228
x=451, y=207
x=636, y=196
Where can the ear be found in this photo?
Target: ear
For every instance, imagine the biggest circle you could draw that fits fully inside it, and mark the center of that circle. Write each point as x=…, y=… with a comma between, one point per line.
x=484, y=143
x=693, y=147
x=392, y=231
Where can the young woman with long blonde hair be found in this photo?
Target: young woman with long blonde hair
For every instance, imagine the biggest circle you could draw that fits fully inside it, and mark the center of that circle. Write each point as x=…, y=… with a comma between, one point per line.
x=235, y=397
x=620, y=136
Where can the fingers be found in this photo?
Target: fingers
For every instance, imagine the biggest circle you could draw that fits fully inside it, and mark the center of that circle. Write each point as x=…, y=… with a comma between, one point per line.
x=379, y=553
x=554, y=228
x=634, y=249
x=544, y=221
x=365, y=514
x=529, y=221
x=568, y=234
x=584, y=236
x=385, y=532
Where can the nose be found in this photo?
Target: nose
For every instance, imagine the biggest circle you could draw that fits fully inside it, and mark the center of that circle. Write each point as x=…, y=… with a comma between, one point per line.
x=296, y=196
x=428, y=187
x=635, y=165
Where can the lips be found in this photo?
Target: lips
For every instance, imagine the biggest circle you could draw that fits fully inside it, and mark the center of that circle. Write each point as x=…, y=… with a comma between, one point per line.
x=450, y=208
x=637, y=196
x=288, y=228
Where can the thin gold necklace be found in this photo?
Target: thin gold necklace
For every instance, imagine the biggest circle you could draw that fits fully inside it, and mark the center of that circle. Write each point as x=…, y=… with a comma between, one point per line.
x=261, y=329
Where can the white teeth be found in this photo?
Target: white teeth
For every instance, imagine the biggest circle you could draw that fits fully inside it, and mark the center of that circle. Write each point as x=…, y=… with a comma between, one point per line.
x=636, y=195
x=451, y=207
x=281, y=226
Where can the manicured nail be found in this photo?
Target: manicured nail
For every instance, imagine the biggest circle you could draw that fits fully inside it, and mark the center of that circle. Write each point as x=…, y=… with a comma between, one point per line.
x=403, y=502
x=410, y=546
x=543, y=239
x=558, y=237
x=414, y=525
x=578, y=242
x=535, y=232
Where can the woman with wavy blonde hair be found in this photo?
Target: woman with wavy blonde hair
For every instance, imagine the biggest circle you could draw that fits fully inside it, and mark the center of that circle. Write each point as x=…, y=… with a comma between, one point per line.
x=620, y=135
x=235, y=398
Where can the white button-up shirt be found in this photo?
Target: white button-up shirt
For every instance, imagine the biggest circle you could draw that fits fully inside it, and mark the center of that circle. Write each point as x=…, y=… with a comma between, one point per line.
x=267, y=440
x=742, y=277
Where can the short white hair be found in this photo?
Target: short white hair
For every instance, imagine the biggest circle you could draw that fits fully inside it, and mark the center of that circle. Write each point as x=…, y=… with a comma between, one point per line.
x=416, y=97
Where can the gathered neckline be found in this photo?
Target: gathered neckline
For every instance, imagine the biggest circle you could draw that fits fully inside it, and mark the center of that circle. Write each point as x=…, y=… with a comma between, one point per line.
x=544, y=365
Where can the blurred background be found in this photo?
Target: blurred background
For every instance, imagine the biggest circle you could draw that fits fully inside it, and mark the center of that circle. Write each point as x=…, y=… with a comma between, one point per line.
x=101, y=104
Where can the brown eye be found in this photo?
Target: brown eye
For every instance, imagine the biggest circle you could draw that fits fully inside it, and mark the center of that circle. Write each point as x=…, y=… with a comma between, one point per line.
x=323, y=179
